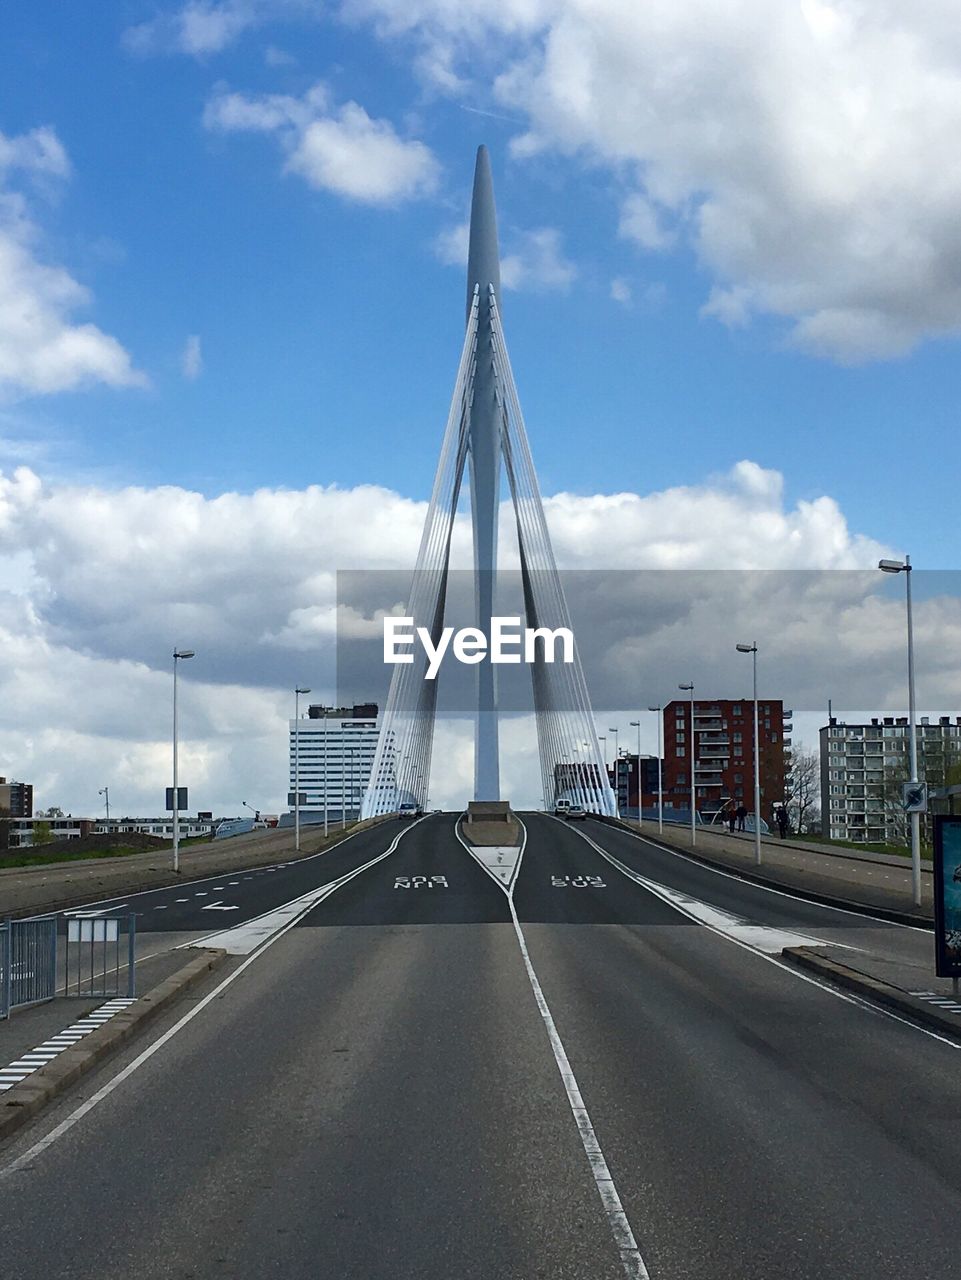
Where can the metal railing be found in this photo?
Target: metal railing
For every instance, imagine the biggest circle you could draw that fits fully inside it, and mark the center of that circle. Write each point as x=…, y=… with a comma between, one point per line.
x=28, y=962
x=99, y=956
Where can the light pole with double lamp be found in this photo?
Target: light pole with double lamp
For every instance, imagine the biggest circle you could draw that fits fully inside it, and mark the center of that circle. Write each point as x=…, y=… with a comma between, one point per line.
x=690, y=688
x=904, y=566
x=297, y=692
x=660, y=787
x=752, y=649
x=179, y=656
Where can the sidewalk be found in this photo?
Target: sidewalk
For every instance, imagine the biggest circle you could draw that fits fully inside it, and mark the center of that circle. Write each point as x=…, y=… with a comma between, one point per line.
x=878, y=882
x=56, y=885
x=45, y=1048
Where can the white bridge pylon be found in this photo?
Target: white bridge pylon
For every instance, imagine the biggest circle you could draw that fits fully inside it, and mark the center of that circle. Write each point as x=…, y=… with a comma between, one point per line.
x=570, y=757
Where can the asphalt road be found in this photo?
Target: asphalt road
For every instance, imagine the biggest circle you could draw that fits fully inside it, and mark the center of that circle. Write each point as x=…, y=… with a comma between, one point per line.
x=377, y=1093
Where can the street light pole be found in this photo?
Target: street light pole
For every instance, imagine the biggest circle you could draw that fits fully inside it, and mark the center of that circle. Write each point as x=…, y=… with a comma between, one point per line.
x=637, y=725
x=297, y=692
x=660, y=787
x=752, y=649
x=179, y=655
x=693, y=806
x=899, y=566
x=105, y=792
x=617, y=794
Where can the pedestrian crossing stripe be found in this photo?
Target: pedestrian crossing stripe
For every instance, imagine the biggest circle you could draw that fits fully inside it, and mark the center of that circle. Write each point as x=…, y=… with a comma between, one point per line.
x=28, y=1063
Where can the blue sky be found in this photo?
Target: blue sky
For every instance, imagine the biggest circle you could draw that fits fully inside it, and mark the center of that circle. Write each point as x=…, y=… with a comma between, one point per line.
x=733, y=231
x=329, y=329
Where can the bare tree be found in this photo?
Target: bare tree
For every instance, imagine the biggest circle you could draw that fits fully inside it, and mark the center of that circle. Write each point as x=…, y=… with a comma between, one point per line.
x=803, y=787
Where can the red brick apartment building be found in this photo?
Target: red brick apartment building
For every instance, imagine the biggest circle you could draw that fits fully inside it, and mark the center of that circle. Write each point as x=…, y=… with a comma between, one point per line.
x=722, y=753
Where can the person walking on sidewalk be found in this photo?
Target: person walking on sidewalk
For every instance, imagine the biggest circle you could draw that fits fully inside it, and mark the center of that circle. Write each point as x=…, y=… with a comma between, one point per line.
x=741, y=815
x=782, y=824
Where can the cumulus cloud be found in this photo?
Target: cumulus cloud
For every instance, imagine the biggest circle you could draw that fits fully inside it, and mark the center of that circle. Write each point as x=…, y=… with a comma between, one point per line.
x=805, y=150
x=191, y=360
x=203, y=27
x=41, y=349
x=108, y=581
x=338, y=149
x=535, y=261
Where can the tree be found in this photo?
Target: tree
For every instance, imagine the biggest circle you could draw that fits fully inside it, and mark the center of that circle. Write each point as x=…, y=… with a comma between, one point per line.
x=802, y=787
x=53, y=812
x=42, y=833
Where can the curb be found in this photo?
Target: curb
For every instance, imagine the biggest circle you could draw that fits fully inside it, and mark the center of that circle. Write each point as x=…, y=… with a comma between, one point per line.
x=24, y=1100
x=873, y=989
x=753, y=877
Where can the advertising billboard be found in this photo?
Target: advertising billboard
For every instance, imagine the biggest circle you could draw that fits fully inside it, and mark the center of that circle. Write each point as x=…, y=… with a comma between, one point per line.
x=947, y=896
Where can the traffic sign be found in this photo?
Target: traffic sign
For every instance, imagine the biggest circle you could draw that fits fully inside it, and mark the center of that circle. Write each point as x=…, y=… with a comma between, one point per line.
x=914, y=797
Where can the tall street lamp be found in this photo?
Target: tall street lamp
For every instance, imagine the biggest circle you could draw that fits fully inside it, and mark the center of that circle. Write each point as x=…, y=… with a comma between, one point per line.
x=179, y=656
x=636, y=724
x=904, y=566
x=660, y=788
x=752, y=649
x=105, y=792
x=690, y=688
x=297, y=692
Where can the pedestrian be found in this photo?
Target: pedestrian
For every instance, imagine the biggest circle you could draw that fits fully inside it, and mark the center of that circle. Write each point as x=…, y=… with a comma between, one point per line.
x=782, y=821
x=741, y=815
x=731, y=819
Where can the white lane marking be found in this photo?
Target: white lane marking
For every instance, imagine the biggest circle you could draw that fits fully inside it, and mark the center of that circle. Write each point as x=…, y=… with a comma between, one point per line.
x=863, y=914
x=620, y=1227
x=490, y=865
x=847, y=997
x=207, y=879
x=25, y=1065
x=75, y=1116
x=759, y=937
x=219, y=906
x=181, y=899
x=163, y=907
x=244, y=938
x=81, y=913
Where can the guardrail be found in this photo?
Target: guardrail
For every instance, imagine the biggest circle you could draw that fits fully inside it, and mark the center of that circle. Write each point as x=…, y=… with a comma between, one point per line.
x=97, y=952
x=28, y=962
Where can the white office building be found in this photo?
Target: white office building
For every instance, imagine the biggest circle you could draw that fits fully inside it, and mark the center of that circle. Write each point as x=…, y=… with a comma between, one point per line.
x=336, y=748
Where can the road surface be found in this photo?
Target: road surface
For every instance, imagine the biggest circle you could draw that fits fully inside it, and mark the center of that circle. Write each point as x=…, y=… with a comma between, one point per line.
x=609, y=1074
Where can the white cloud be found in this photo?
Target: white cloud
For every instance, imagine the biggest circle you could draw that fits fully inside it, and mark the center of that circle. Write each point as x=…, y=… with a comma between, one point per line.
x=203, y=27
x=805, y=150
x=535, y=262
x=621, y=291
x=192, y=361
x=107, y=581
x=41, y=349
x=338, y=149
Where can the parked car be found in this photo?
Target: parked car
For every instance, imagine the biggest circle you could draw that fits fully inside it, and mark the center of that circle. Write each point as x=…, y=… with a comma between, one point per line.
x=576, y=811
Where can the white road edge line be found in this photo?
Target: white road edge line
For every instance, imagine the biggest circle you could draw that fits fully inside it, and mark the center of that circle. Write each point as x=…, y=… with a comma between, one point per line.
x=631, y=1259
x=863, y=914
x=847, y=997
x=75, y=1116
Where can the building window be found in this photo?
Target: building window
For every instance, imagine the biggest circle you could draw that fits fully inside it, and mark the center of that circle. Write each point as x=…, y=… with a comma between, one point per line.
x=736, y=709
x=739, y=777
x=681, y=751
x=681, y=778
x=737, y=737
x=774, y=737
